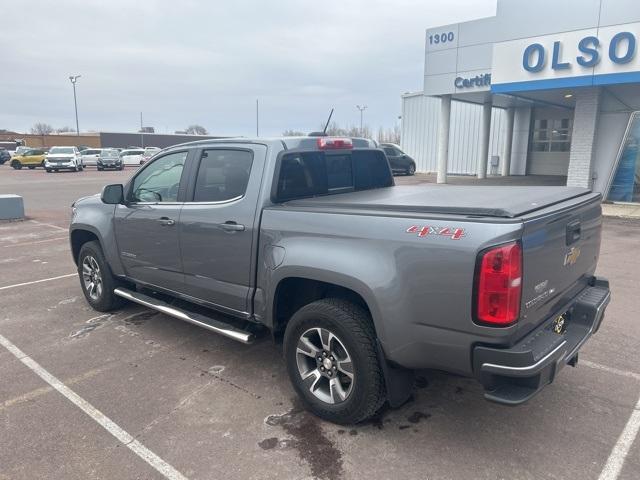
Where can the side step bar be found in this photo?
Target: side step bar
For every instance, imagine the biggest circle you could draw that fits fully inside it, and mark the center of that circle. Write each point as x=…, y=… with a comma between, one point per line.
x=191, y=317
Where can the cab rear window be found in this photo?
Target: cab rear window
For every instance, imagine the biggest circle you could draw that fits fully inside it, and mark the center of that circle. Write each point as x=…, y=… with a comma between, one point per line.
x=308, y=174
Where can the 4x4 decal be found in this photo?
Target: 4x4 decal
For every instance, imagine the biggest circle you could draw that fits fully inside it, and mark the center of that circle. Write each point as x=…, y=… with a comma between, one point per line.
x=454, y=233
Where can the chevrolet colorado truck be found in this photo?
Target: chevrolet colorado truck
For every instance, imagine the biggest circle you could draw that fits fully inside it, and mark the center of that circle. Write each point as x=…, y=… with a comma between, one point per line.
x=362, y=281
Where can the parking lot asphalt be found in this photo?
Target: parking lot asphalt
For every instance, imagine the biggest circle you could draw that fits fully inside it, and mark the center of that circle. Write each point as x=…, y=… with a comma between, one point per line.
x=210, y=408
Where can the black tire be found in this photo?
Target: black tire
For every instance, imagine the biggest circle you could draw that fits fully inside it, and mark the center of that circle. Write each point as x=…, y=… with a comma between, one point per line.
x=31, y=167
x=411, y=169
x=16, y=165
x=106, y=301
x=100, y=169
x=48, y=170
x=353, y=327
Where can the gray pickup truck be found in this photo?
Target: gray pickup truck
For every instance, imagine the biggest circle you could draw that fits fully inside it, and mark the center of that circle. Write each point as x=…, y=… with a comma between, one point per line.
x=362, y=281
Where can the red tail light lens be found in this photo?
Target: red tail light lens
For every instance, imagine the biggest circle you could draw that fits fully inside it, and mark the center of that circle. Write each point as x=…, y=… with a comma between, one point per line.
x=499, y=285
x=332, y=143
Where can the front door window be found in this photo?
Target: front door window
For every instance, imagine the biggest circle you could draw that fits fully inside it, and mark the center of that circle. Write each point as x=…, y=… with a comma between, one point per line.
x=160, y=181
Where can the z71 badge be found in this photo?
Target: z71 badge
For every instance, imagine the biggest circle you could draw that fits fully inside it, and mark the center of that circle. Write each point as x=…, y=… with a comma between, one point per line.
x=453, y=233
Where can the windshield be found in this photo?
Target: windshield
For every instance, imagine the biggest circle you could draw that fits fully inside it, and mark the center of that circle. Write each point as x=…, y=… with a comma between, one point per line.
x=110, y=153
x=132, y=152
x=61, y=150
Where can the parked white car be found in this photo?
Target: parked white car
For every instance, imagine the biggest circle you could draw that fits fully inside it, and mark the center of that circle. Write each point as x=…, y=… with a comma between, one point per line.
x=148, y=153
x=63, y=158
x=90, y=156
x=132, y=157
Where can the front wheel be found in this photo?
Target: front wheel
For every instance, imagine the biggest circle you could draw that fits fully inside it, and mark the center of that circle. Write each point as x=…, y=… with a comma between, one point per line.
x=411, y=169
x=16, y=165
x=48, y=170
x=96, y=279
x=330, y=352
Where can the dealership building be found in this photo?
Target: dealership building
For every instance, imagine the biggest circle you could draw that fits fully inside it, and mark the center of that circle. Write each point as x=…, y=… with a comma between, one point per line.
x=548, y=88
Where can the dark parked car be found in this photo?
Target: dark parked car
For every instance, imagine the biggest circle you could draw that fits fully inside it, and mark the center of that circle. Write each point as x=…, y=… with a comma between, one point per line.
x=400, y=162
x=5, y=156
x=109, y=158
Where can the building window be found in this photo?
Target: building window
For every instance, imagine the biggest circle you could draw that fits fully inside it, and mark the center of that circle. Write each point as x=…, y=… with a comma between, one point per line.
x=625, y=182
x=551, y=135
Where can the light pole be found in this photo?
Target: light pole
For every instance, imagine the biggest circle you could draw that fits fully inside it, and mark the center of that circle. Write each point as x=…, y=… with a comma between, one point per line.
x=362, y=109
x=73, y=79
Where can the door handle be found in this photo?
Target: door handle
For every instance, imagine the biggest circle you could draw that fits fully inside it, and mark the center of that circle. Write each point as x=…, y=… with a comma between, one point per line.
x=166, y=221
x=231, y=226
x=574, y=231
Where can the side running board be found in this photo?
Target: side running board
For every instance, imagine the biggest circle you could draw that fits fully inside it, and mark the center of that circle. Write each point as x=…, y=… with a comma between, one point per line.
x=198, y=319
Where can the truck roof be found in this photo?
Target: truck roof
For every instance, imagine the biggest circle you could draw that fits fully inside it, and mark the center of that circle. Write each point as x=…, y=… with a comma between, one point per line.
x=288, y=143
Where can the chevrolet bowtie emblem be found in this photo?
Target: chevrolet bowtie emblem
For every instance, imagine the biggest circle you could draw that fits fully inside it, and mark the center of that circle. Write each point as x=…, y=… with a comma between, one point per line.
x=571, y=257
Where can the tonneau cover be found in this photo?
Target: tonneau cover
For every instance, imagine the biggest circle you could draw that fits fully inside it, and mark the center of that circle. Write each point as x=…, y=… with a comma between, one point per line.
x=489, y=201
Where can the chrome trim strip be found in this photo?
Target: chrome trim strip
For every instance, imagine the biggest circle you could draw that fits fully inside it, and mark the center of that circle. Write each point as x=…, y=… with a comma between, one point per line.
x=528, y=368
x=207, y=323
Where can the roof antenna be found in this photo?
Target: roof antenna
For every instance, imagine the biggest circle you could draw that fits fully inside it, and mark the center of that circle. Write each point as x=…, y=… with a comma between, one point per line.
x=324, y=132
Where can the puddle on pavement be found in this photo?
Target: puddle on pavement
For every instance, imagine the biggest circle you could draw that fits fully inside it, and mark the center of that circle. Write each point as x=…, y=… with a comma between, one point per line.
x=307, y=437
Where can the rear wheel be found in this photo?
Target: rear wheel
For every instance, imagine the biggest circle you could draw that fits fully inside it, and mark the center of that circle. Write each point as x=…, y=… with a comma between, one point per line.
x=329, y=348
x=96, y=279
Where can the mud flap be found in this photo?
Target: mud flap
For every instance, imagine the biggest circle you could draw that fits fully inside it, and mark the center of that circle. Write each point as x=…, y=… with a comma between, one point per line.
x=399, y=381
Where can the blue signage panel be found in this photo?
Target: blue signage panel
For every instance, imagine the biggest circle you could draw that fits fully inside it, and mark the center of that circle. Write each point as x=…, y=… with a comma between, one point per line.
x=571, y=59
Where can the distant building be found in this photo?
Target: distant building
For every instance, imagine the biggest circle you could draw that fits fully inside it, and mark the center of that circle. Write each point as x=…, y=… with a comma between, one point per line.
x=105, y=139
x=547, y=88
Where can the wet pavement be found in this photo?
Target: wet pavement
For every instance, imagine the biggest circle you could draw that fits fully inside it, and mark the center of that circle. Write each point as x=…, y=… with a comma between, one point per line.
x=212, y=408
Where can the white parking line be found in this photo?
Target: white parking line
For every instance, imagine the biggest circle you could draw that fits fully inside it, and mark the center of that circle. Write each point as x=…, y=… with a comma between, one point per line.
x=105, y=422
x=37, y=281
x=616, y=459
x=49, y=225
x=23, y=244
x=605, y=368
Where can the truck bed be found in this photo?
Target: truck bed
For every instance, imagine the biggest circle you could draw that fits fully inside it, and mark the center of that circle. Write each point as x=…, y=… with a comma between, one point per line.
x=499, y=202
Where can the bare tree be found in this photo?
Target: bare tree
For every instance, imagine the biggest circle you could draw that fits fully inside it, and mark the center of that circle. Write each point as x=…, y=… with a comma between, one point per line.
x=196, y=130
x=41, y=128
x=65, y=129
x=389, y=135
x=293, y=133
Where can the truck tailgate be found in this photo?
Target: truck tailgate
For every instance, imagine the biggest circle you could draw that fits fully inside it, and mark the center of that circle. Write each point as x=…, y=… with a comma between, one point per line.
x=561, y=245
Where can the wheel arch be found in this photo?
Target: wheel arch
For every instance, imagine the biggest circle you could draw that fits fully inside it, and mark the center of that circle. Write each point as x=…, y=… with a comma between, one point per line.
x=78, y=238
x=293, y=292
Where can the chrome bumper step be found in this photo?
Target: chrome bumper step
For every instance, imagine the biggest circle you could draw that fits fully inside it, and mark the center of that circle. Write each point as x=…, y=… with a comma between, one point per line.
x=198, y=319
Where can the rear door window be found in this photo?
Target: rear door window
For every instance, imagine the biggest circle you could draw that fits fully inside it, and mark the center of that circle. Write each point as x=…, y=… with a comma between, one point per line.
x=223, y=175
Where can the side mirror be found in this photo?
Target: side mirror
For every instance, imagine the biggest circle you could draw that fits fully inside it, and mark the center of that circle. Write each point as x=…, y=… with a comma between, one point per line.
x=113, y=194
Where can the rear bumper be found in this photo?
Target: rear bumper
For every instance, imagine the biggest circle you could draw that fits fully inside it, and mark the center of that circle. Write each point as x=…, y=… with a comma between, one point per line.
x=514, y=375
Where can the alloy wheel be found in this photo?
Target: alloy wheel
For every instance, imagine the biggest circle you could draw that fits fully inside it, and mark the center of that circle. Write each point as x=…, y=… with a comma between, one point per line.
x=325, y=365
x=92, y=277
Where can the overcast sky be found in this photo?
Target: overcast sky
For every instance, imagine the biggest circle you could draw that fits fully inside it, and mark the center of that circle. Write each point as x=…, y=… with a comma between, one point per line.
x=182, y=62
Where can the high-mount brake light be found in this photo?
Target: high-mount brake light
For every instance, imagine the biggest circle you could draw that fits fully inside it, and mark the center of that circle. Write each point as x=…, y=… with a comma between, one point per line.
x=499, y=285
x=334, y=143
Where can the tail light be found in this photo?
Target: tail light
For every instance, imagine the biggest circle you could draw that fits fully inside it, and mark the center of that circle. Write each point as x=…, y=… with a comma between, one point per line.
x=332, y=143
x=499, y=285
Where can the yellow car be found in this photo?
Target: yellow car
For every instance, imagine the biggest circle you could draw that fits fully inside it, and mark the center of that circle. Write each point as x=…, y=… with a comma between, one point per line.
x=31, y=158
